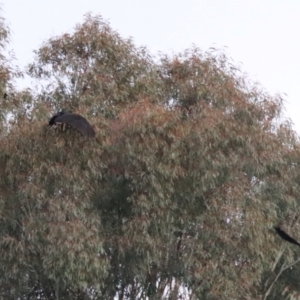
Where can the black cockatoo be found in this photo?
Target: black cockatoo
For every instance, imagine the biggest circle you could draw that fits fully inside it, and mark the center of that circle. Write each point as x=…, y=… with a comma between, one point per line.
x=75, y=121
x=285, y=236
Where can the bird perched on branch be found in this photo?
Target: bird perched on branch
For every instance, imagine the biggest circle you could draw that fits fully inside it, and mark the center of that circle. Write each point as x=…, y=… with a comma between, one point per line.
x=285, y=236
x=75, y=121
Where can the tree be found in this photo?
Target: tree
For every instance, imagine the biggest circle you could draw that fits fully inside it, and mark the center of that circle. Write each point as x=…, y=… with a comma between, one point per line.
x=175, y=198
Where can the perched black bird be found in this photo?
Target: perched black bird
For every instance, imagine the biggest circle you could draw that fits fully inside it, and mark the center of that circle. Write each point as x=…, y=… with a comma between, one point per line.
x=285, y=236
x=76, y=121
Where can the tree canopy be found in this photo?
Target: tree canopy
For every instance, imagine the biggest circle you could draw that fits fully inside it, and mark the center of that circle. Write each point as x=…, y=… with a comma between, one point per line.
x=176, y=196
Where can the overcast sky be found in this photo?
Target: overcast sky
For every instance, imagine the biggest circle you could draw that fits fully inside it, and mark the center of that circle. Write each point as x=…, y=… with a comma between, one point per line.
x=262, y=35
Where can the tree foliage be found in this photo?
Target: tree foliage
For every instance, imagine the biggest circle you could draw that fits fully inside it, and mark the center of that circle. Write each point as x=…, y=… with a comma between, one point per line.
x=176, y=196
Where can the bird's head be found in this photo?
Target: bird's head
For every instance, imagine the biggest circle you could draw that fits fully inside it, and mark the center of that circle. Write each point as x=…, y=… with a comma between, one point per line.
x=58, y=114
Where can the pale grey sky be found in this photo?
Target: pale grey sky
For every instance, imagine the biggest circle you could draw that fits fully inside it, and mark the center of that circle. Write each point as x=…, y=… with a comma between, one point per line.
x=262, y=35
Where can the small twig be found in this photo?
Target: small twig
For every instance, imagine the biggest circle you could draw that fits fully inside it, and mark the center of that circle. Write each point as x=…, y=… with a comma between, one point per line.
x=278, y=275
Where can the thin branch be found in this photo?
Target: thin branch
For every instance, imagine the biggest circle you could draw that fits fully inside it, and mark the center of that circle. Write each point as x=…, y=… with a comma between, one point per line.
x=278, y=275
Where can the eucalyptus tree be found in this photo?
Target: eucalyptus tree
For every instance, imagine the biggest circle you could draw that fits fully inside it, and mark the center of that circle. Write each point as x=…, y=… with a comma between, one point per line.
x=176, y=196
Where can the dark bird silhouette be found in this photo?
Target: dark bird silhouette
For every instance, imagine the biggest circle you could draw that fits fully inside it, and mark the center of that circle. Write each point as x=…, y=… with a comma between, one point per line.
x=285, y=236
x=75, y=121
